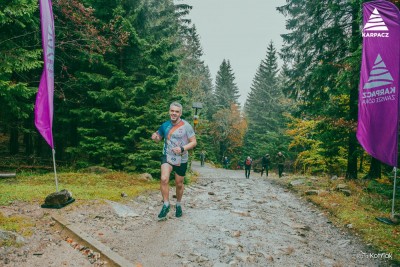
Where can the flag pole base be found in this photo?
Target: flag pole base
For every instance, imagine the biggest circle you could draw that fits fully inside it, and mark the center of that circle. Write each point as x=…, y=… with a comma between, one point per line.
x=58, y=200
x=395, y=220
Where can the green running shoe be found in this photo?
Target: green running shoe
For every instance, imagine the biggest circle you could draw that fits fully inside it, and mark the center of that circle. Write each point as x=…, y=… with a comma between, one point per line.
x=163, y=213
x=178, y=211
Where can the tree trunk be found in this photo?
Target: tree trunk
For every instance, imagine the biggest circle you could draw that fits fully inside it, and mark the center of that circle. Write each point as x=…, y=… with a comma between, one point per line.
x=13, y=143
x=360, y=169
x=28, y=139
x=374, y=169
x=28, y=144
x=38, y=145
x=351, y=172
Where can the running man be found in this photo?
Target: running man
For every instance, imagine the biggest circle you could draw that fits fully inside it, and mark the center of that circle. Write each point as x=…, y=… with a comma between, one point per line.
x=179, y=137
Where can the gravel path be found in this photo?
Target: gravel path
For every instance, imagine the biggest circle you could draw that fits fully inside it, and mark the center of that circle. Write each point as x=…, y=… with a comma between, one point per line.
x=228, y=221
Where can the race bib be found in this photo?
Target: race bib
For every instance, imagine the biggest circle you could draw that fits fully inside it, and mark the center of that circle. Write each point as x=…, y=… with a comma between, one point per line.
x=174, y=159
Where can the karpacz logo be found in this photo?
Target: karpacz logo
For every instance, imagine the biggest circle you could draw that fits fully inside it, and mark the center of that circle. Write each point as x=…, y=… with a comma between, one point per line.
x=379, y=87
x=375, y=27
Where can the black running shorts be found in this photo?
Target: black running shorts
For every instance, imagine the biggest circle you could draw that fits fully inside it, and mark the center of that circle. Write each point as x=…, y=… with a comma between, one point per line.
x=180, y=170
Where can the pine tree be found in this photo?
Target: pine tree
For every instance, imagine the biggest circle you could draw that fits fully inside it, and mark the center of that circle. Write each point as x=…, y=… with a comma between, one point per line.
x=264, y=109
x=226, y=91
x=90, y=90
x=20, y=68
x=225, y=111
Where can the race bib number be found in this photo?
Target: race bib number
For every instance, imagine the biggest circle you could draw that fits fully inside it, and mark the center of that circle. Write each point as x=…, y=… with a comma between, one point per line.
x=174, y=159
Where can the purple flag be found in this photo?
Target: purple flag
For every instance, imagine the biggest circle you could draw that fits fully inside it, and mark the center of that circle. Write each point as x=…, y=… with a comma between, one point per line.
x=378, y=102
x=44, y=97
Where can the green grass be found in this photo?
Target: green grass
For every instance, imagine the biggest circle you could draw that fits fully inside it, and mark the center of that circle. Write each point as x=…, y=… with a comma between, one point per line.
x=84, y=186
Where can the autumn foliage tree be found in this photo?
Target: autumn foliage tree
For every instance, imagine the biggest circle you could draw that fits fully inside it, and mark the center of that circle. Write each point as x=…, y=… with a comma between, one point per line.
x=228, y=129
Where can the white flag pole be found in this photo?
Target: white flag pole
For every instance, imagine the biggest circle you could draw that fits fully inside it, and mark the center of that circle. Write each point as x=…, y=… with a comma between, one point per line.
x=54, y=165
x=394, y=192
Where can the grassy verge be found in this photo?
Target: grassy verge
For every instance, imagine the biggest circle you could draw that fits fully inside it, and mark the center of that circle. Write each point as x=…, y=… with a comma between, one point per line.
x=84, y=186
x=356, y=211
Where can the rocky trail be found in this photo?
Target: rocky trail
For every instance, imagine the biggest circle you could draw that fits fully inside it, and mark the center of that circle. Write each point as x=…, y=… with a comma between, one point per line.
x=228, y=221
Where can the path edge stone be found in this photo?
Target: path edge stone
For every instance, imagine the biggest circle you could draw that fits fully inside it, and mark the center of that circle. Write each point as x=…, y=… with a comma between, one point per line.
x=107, y=254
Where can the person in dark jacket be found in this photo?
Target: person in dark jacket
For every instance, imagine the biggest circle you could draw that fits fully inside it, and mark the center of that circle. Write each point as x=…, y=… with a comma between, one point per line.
x=280, y=158
x=247, y=166
x=202, y=157
x=265, y=161
x=226, y=162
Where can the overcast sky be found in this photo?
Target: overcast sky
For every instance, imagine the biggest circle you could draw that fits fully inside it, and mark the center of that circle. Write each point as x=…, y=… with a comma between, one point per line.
x=239, y=31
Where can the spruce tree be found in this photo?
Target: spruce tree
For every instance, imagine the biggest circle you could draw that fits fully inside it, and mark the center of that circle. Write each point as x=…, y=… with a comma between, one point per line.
x=264, y=107
x=226, y=91
x=20, y=69
x=226, y=114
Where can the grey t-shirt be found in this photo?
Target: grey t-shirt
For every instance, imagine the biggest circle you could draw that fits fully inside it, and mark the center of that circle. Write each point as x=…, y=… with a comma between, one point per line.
x=175, y=136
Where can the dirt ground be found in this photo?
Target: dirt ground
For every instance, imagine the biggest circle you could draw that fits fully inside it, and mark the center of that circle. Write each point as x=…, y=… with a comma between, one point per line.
x=228, y=221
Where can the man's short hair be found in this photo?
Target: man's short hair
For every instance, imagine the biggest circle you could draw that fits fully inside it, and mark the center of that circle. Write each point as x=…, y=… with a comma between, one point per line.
x=176, y=104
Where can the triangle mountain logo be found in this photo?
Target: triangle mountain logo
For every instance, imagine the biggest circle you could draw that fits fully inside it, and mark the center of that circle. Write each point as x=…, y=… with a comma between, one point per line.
x=375, y=22
x=379, y=75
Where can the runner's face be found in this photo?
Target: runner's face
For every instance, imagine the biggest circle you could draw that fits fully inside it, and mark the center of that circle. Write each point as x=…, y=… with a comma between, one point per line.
x=174, y=113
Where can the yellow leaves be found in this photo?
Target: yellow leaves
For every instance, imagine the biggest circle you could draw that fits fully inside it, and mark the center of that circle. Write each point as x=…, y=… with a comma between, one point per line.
x=301, y=131
x=229, y=126
x=383, y=180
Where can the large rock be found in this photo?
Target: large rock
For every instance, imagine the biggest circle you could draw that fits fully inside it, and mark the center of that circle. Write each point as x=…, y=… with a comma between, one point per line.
x=58, y=198
x=297, y=182
x=342, y=186
x=146, y=176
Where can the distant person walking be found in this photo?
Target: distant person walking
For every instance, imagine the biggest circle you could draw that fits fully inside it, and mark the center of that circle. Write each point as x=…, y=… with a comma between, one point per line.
x=202, y=157
x=226, y=162
x=247, y=166
x=280, y=158
x=265, y=161
x=179, y=137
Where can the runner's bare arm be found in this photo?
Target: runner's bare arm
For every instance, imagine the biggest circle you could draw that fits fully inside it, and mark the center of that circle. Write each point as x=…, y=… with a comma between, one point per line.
x=192, y=143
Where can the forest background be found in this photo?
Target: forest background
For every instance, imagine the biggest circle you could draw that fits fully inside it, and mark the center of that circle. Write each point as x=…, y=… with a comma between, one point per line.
x=119, y=64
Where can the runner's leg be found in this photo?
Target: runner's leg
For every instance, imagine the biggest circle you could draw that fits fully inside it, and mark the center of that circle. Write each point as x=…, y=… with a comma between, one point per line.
x=179, y=187
x=164, y=183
